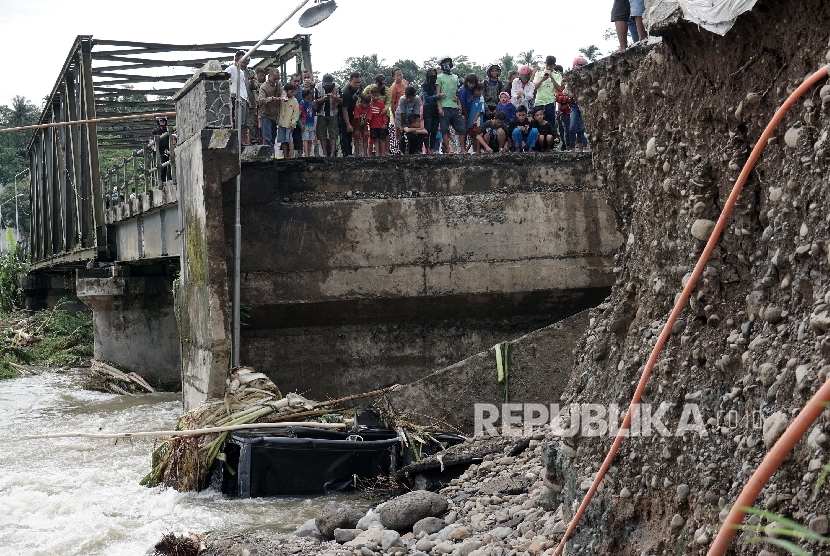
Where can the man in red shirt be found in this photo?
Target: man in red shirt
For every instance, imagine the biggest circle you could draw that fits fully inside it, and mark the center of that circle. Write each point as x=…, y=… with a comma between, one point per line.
x=563, y=97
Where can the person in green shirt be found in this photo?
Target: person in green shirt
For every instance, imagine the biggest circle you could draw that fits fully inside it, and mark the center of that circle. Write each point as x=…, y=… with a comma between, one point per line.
x=547, y=84
x=447, y=88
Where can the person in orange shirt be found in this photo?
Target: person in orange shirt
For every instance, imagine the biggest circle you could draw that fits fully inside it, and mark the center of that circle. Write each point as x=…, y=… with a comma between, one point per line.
x=397, y=90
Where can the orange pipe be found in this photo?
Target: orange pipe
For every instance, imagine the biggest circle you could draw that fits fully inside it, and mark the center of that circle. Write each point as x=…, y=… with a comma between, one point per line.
x=687, y=292
x=768, y=467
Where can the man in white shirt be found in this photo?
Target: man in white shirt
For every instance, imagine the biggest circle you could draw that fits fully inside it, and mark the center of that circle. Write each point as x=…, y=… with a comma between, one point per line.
x=236, y=70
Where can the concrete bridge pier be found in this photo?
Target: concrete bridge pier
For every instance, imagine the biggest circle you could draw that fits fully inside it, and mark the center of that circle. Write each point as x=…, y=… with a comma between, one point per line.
x=48, y=290
x=133, y=319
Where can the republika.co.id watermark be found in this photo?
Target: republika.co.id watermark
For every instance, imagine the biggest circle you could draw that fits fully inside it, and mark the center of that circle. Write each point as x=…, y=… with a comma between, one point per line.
x=592, y=420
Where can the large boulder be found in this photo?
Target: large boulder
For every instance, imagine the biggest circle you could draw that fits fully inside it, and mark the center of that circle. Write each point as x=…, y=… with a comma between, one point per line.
x=403, y=512
x=337, y=516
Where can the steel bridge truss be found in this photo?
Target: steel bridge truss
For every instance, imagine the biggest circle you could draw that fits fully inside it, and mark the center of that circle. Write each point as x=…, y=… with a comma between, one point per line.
x=102, y=78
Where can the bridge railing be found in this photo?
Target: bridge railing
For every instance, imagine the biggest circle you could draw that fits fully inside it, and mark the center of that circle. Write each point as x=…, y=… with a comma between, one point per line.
x=145, y=169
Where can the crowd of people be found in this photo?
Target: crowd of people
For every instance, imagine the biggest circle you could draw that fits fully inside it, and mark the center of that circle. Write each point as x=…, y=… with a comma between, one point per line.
x=532, y=110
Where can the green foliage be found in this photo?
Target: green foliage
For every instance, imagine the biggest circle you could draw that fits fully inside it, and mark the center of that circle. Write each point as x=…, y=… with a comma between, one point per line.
x=11, y=269
x=508, y=64
x=529, y=58
x=779, y=527
x=45, y=338
x=367, y=66
x=411, y=72
x=822, y=478
x=591, y=52
x=13, y=161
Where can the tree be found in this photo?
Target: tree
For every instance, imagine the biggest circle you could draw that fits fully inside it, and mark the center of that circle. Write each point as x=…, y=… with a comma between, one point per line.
x=528, y=58
x=367, y=66
x=412, y=72
x=591, y=52
x=508, y=64
x=463, y=67
x=14, y=160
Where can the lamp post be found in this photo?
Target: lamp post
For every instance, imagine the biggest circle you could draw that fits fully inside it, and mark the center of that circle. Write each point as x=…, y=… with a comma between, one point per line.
x=311, y=17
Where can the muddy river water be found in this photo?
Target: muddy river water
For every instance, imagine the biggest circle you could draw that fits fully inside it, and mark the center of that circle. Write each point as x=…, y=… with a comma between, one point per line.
x=80, y=496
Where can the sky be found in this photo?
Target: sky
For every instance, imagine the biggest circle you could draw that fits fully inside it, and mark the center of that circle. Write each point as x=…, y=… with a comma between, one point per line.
x=39, y=33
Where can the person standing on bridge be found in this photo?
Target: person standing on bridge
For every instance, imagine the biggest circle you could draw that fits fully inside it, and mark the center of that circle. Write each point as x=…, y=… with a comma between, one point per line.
x=269, y=100
x=239, y=83
x=327, y=101
x=447, y=87
x=396, y=91
x=351, y=96
x=289, y=116
x=163, y=152
x=431, y=118
x=547, y=85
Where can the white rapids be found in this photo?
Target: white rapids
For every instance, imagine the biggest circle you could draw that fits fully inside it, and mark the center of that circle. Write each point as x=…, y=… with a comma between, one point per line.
x=75, y=496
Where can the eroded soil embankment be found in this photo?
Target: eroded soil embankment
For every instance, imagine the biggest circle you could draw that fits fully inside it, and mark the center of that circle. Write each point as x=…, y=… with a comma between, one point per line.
x=672, y=127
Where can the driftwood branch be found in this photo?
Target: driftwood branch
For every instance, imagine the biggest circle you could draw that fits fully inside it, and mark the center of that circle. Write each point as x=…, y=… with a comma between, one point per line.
x=358, y=396
x=193, y=432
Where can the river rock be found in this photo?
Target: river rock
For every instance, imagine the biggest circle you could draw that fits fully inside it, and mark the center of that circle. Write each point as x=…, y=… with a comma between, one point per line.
x=307, y=529
x=345, y=535
x=424, y=544
x=501, y=532
x=702, y=229
x=820, y=524
x=817, y=439
x=337, y=516
x=773, y=315
x=792, y=136
x=469, y=546
x=651, y=148
x=459, y=534
x=403, y=512
x=429, y=525
x=820, y=323
x=390, y=539
x=774, y=427
x=371, y=518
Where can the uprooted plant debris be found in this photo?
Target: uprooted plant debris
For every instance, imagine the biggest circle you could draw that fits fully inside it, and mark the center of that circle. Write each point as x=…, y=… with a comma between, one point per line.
x=174, y=544
x=105, y=377
x=52, y=338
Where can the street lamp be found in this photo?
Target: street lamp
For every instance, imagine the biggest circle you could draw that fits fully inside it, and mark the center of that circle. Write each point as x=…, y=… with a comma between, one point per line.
x=311, y=17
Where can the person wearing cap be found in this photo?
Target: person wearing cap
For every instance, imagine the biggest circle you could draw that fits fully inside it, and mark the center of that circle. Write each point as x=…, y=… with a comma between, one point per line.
x=237, y=71
x=328, y=99
x=493, y=86
x=447, y=86
x=546, y=86
x=161, y=131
